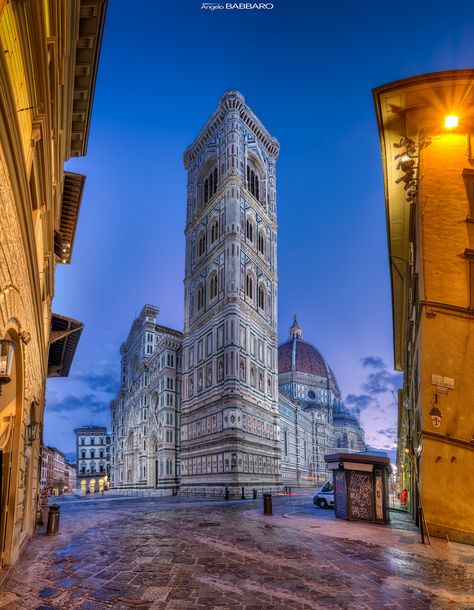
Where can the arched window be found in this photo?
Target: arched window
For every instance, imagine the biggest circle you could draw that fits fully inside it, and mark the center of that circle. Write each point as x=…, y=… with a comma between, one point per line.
x=261, y=297
x=261, y=242
x=200, y=298
x=210, y=185
x=202, y=245
x=249, y=286
x=214, y=231
x=252, y=182
x=249, y=230
x=213, y=286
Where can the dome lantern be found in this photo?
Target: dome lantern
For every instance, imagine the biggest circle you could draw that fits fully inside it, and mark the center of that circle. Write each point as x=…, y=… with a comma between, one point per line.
x=295, y=330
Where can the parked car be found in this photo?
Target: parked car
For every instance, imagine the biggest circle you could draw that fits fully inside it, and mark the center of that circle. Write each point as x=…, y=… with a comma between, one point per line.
x=324, y=497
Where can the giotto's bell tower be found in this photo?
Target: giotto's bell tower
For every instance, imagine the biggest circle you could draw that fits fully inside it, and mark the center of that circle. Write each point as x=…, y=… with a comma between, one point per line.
x=230, y=430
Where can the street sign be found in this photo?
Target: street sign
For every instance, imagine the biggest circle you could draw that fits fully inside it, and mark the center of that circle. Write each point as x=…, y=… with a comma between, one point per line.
x=445, y=382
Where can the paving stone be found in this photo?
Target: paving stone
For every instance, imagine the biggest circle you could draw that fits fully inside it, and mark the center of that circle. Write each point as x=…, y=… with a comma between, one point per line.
x=176, y=554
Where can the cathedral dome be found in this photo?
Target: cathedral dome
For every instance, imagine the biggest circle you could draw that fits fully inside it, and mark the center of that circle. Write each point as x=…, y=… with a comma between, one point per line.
x=297, y=355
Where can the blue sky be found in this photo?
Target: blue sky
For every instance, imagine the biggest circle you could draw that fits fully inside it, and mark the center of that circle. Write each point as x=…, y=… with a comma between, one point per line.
x=307, y=69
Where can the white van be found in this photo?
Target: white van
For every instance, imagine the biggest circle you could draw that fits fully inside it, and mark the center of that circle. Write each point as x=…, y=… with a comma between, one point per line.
x=324, y=497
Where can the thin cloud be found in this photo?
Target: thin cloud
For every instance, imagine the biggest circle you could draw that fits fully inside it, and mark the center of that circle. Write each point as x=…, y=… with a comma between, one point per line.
x=70, y=403
x=360, y=401
x=380, y=380
x=100, y=382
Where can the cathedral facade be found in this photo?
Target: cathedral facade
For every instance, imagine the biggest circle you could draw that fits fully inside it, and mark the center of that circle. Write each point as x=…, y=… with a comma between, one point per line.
x=220, y=406
x=147, y=412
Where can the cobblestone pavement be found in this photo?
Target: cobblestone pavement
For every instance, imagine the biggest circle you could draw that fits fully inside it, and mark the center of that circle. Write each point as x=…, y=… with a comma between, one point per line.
x=173, y=553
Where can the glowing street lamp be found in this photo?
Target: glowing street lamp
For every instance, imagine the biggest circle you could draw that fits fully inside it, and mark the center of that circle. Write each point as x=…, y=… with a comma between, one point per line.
x=451, y=121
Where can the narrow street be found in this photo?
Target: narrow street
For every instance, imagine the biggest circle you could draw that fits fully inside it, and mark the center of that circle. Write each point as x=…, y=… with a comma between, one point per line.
x=178, y=553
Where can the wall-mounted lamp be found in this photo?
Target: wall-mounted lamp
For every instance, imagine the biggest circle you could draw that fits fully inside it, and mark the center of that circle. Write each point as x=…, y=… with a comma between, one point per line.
x=32, y=431
x=7, y=351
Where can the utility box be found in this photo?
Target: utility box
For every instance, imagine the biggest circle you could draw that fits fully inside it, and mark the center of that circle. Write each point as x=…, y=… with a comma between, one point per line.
x=360, y=486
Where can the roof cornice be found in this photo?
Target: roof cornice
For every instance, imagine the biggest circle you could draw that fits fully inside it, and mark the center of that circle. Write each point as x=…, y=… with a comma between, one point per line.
x=231, y=100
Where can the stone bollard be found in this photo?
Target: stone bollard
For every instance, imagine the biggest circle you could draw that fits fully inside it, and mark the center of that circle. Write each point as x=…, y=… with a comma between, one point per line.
x=267, y=504
x=53, y=520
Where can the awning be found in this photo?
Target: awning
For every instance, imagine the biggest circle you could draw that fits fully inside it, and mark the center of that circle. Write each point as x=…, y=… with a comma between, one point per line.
x=63, y=339
x=72, y=195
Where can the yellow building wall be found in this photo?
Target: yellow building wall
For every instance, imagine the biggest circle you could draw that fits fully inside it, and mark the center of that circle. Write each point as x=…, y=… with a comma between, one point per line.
x=447, y=341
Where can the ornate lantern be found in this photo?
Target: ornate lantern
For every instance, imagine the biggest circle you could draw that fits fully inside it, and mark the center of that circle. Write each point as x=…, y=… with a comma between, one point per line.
x=32, y=431
x=7, y=351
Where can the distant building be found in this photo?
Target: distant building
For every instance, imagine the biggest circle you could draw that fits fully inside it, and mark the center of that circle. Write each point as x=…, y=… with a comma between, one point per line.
x=146, y=412
x=70, y=475
x=57, y=474
x=426, y=127
x=313, y=419
x=92, y=458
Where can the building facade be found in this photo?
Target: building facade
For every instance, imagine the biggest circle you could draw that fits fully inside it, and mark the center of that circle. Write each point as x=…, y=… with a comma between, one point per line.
x=48, y=63
x=58, y=475
x=426, y=127
x=313, y=419
x=70, y=476
x=92, y=458
x=229, y=418
x=202, y=410
x=145, y=415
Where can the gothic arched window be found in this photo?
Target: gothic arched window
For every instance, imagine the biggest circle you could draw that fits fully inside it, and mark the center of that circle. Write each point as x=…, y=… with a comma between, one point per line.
x=249, y=286
x=213, y=286
x=210, y=185
x=202, y=244
x=261, y=242
x=200, y=298
x=249, y=230
x=214, y=231
x=253, y=183
x=261, y=297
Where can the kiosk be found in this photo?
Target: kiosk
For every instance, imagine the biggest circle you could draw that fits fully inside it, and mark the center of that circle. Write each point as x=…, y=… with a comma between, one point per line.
x=360, y=486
